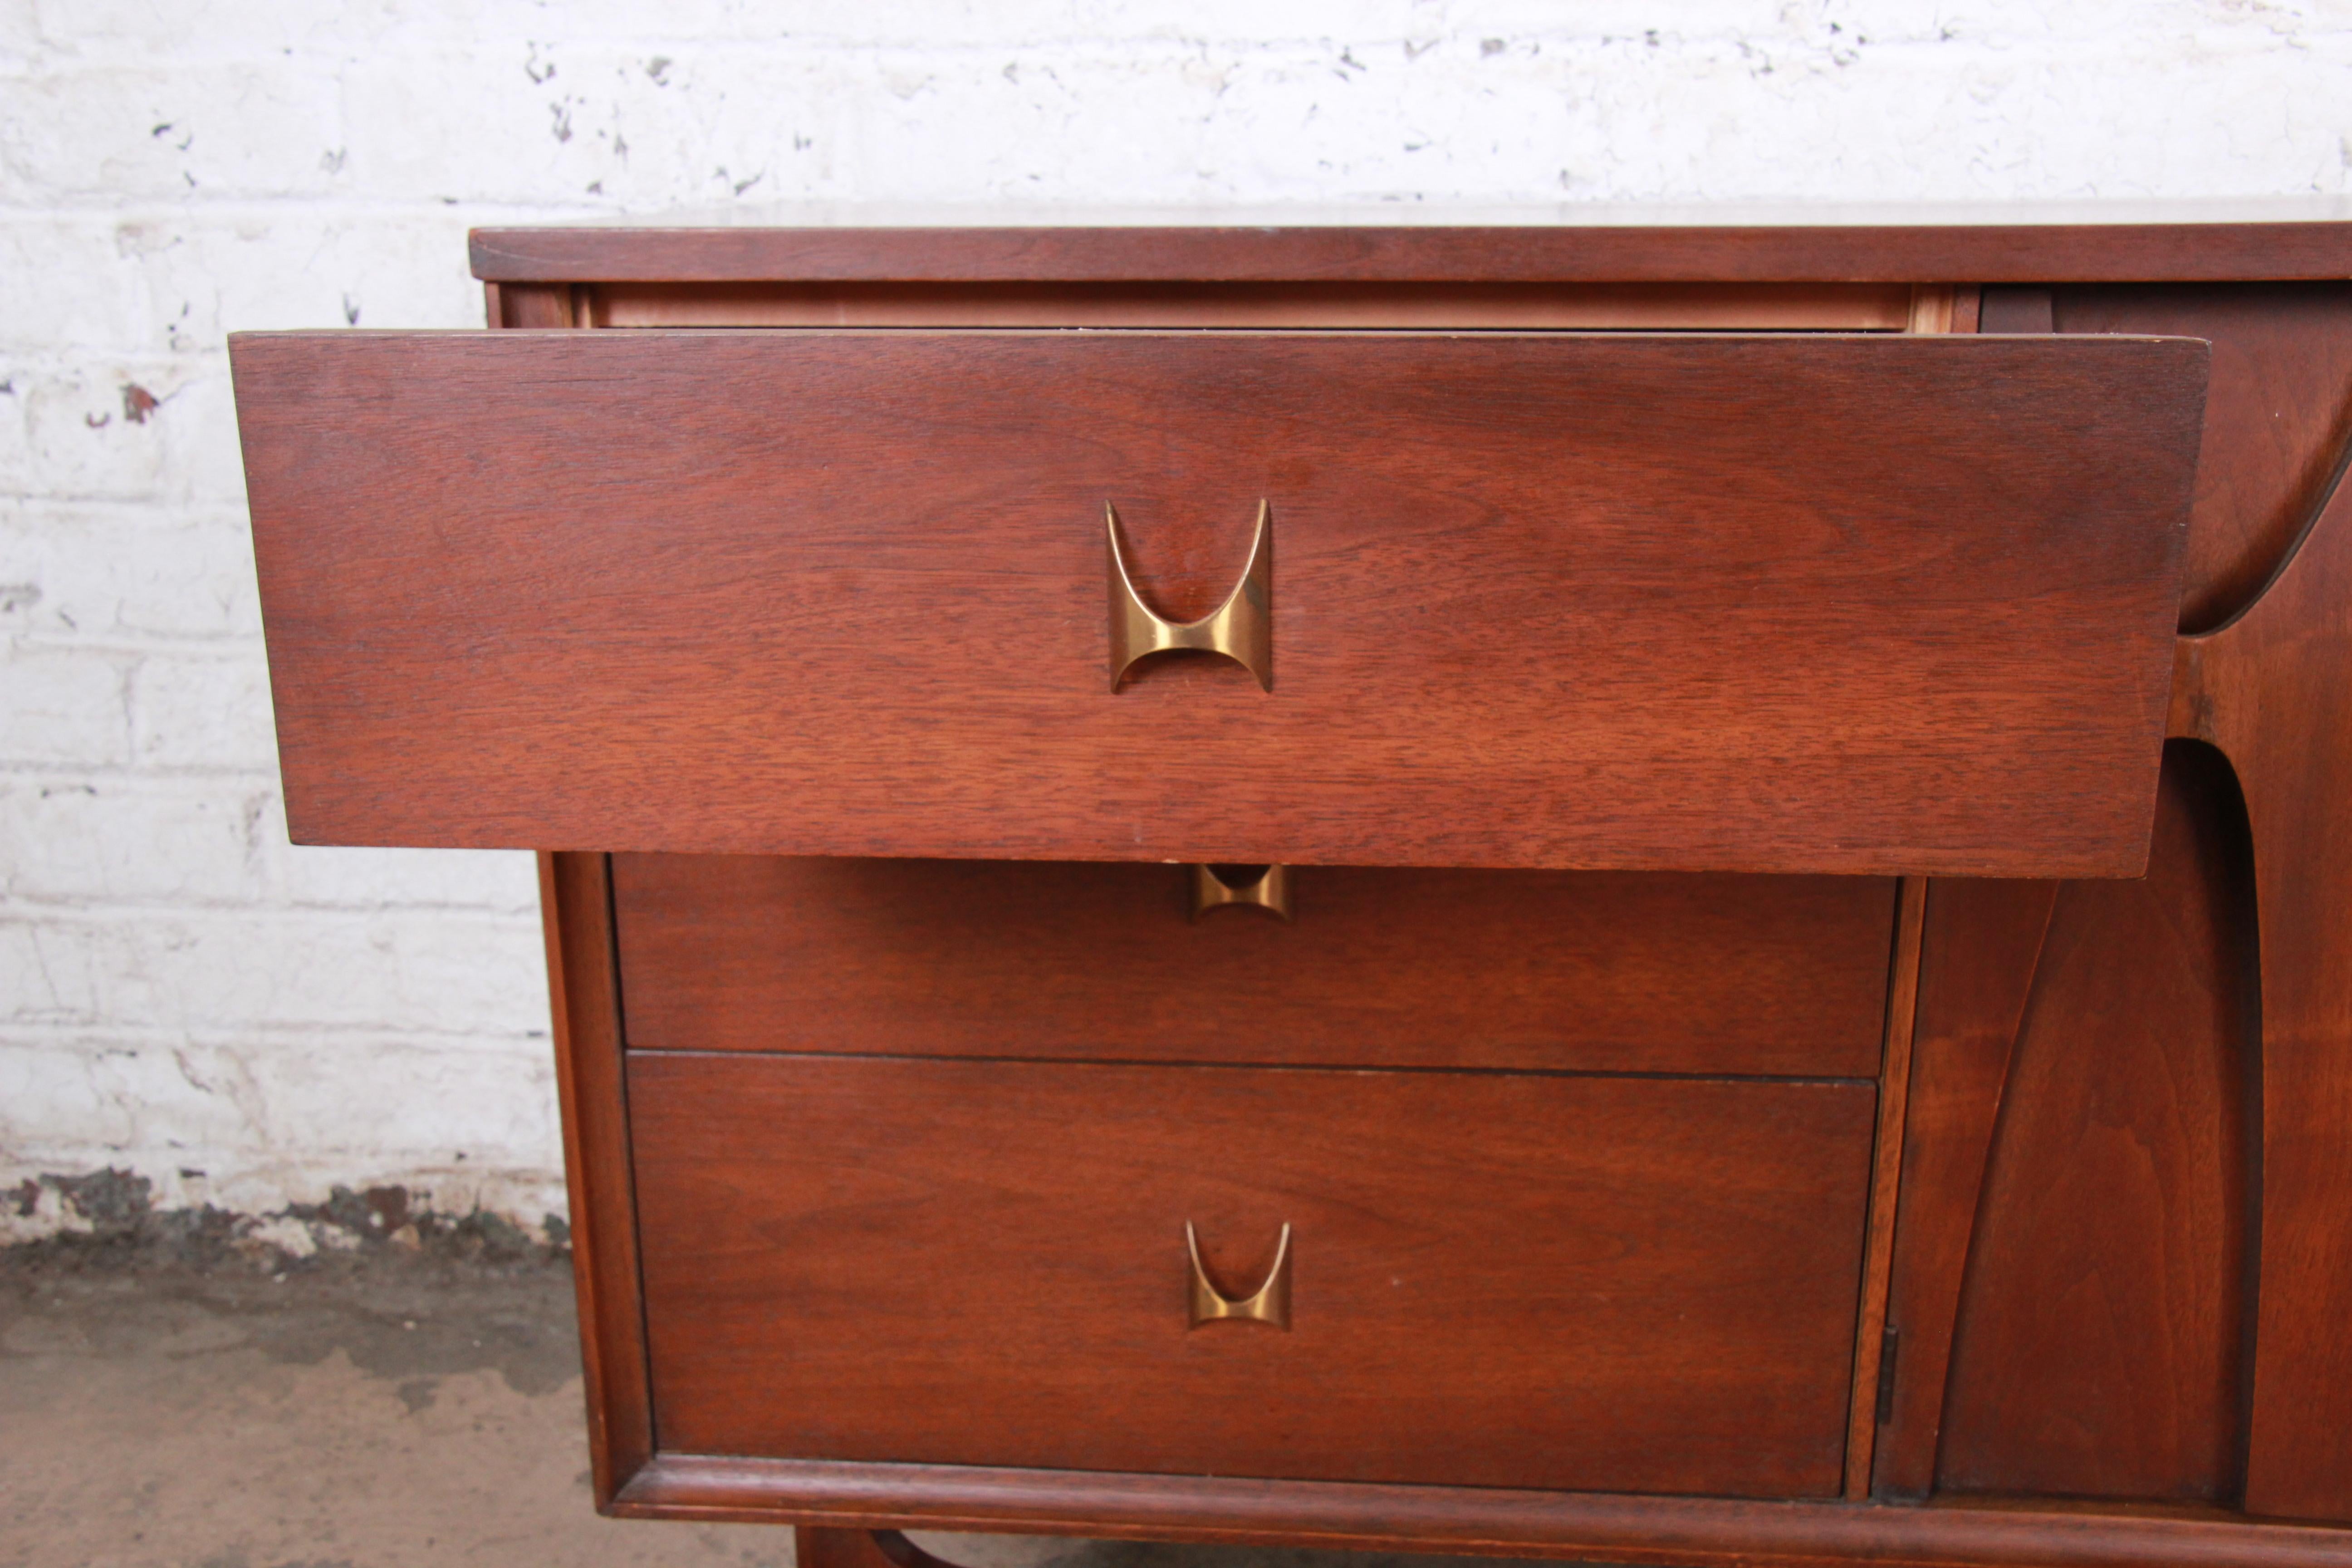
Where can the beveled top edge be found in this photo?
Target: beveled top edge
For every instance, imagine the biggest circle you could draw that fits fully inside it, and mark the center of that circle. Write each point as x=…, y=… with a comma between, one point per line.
x=2054, y=242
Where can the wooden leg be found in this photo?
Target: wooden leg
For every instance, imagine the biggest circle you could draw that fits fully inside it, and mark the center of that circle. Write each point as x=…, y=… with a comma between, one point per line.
x=815, y=1546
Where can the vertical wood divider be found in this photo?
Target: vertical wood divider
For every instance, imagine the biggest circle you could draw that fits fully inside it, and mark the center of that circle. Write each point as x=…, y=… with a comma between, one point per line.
x=1886, y=1167
x=575, y=902
x=534, y=305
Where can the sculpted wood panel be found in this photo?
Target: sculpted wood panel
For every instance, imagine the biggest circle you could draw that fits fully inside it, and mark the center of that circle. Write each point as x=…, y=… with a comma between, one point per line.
x=1594, y=970
x=2278, y=415
x=1497, y=1279
x=2103, y=1336
x=1978, y=948
x=1619, y=601
x=2272, y=689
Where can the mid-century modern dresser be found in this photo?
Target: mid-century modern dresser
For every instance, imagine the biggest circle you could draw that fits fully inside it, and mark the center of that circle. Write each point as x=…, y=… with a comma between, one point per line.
x=1670, y=894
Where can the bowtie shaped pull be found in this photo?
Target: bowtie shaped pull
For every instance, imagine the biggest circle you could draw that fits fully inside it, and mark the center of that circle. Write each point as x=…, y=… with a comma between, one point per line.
x=1270, y=1304
x=1241, y=629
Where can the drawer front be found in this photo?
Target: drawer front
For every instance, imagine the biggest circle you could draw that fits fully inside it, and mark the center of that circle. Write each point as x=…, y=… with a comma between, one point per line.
x=1767, y=604
x=1593, y=971
x=1495, y=1279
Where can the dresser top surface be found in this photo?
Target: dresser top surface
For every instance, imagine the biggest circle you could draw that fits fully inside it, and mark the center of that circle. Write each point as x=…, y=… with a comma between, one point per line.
x=2237, y=240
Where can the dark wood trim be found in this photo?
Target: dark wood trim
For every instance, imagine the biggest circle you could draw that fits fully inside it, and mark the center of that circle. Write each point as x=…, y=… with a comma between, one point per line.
x=1814, y=252
x=583, y=980
x=1703, y=1533
x=1893, y=1099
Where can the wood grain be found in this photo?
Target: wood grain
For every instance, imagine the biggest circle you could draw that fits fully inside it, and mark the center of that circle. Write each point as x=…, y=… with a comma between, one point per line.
x=1498, y=1280
x=2272, y=689
x=575, y=904
x=1886, y=1186
x=2278, y=415
x=1591, y=971
x=1978, y=953
x=1586, y=307
x=1707, y=1531
x=2102, y=1340
x=1608, y=601
x=1799, y=248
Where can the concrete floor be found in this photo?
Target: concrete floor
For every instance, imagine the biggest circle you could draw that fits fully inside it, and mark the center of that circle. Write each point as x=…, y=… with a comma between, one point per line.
x=357, y=1411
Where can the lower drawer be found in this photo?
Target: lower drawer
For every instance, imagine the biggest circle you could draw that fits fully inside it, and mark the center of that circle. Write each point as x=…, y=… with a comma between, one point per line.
x=1499, y=1279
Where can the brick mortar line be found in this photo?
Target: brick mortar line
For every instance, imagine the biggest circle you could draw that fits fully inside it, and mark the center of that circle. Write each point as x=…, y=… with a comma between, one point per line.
x=149, y=644
x=15, y=911
x=275, y=1040
x=9, y=775
x=1312, y=48
x=157, y=1036
x=18, y=908
x=69, y=772
x=220, y=513
x=76, y=498
x=50, y=913
x=78, y=359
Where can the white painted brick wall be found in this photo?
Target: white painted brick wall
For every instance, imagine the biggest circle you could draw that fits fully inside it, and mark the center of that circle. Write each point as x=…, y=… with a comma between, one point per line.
x=180, y=992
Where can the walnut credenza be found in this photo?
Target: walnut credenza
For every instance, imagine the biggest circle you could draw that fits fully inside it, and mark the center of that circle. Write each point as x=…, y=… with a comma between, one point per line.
x=1802, y=1011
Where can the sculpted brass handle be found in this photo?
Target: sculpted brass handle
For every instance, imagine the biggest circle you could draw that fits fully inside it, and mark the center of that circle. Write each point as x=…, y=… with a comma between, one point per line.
x=1241, y=629
x=1270, y=1305
x=1264, y=888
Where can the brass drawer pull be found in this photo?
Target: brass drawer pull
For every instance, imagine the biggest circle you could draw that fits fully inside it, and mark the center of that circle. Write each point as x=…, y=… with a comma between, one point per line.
x=1241, y=629
x=1264, y=888
x=1271, y=1304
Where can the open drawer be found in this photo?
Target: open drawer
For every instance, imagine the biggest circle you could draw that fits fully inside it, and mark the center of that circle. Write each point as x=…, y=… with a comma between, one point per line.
x=1770, y=603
